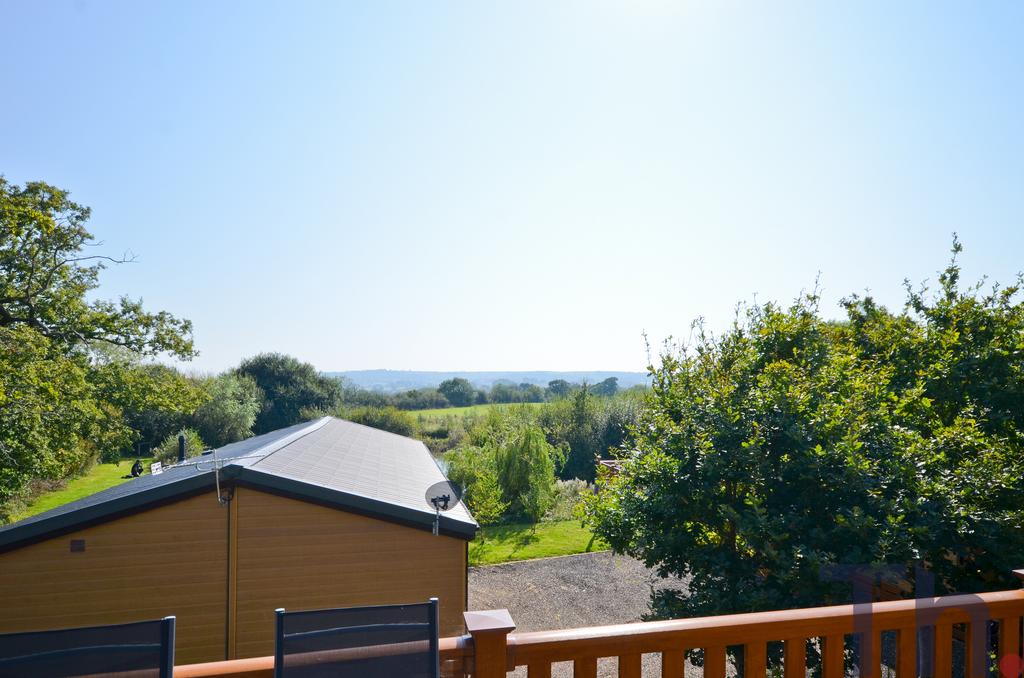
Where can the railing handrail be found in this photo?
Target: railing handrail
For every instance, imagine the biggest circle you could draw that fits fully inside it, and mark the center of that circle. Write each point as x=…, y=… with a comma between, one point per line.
x=454, y=652
x=491, y=633
x=740, y=629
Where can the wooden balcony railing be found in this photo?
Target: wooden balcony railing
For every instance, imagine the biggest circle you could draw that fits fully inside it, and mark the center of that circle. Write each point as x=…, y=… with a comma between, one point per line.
x=924, y=631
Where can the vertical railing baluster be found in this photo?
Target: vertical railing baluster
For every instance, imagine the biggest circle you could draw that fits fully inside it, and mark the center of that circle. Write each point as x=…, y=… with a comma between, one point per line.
x=942, y=666
x=1009, y=645
x=833, y=656
x=714, y=661
x=976, y=650
x=629, y=665
x=755, y=660
x=673, y=664
x=585, y=668
x=795, y=658
x=906, y=652
x=539, y=670
x=869, y=654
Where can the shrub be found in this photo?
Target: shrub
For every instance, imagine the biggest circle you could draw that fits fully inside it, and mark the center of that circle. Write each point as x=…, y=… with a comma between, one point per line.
x=567, y=498
x=385, y=418
x=167, y=451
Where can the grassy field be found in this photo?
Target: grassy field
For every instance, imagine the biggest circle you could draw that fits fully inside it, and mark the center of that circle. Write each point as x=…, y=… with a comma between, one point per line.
x=441, y=413
x=100, y=477
x=505, y=543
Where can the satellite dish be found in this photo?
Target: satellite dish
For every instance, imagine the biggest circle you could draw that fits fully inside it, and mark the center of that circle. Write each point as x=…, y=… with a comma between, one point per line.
x=442, y=496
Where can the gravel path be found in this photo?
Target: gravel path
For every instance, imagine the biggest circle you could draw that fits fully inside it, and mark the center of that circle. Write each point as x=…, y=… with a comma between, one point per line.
x=591, y=589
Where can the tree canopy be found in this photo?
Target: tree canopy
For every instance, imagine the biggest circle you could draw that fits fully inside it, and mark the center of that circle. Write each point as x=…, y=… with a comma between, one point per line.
x=230, y=412
x=46, y=273
x=792, y=443
x=74, y=386
x=458, y=391
x=290, y=387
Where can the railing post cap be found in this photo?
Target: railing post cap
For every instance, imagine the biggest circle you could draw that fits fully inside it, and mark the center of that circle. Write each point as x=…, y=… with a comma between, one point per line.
x=489, y=621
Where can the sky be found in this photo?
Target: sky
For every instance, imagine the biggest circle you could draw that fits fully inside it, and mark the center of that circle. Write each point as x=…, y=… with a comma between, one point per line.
x=516, y=185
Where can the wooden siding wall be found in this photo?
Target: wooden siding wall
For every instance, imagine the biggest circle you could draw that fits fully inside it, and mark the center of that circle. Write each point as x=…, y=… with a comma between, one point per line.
x=168, y=560
x=302, y=556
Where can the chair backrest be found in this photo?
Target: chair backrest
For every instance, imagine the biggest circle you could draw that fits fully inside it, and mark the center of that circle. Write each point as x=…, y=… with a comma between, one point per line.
x=143, y=649
x=380, y=641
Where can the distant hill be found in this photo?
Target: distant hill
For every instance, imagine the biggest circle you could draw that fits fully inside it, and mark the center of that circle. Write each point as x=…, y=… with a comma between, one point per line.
x=391, y=381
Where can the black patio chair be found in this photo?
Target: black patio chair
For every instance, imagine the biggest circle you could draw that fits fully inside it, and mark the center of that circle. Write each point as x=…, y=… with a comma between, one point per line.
x=141, y=649
x=381, y=641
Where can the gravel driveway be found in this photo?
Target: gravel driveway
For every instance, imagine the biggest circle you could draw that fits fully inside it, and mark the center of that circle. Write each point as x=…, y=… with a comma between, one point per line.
x=590, y=589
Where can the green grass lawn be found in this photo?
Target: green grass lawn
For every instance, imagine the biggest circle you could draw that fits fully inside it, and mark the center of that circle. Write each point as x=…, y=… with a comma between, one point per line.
x=440, y=413
x=505, y=543
x=99, y=477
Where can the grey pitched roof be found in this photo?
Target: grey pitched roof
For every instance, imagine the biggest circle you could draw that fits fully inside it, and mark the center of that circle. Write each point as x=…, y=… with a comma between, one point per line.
x=329, y=461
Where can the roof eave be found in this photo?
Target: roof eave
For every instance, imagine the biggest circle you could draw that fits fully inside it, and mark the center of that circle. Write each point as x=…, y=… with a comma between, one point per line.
x=22, y=535
x=354, y=503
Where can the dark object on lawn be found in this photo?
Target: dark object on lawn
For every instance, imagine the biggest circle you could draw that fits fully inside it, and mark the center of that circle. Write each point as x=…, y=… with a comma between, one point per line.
x=146, y=649
x=137, y=468
x=381, y=641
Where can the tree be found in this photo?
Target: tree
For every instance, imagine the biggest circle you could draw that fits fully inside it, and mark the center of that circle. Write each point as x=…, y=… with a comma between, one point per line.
x=420, y=399
x=458, y=391
x=559, y=388
x=607, y=388
x=73, y=385
x=791, y=444
x=576, y=424
x=289, y=386
x=45, y=278
x=526, y=472
x=474, y=469
x=152, y=401
x=228, y=415
x=46, y=411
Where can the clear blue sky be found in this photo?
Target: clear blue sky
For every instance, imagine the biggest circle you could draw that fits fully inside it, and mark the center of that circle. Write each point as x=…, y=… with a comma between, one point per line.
x=463, y=185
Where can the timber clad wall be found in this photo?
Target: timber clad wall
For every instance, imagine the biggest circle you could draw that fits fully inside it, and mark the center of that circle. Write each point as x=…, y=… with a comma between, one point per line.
x=176, y=559
x=303, y=556
x=168, y=560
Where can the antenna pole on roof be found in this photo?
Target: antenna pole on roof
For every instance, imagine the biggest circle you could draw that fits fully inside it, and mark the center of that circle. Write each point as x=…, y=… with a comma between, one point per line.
x=216, y=478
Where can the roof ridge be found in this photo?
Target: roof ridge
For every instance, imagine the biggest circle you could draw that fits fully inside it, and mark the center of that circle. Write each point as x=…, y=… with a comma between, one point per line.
x=380, y=430
x=278, y=445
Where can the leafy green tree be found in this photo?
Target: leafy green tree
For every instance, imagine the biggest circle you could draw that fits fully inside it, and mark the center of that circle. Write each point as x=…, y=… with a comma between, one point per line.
x=420, y=399
x=45, y=279
x=791, y=444
x=230, y=411
x=559, y=388
x=485, y=501
x=73, y=386
x=47, y=411
x=526, y=472
x=289, y=387
x=385, y=418
x=474, y=469
x=458, y=391
x=152, y=401
x=606, y=388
